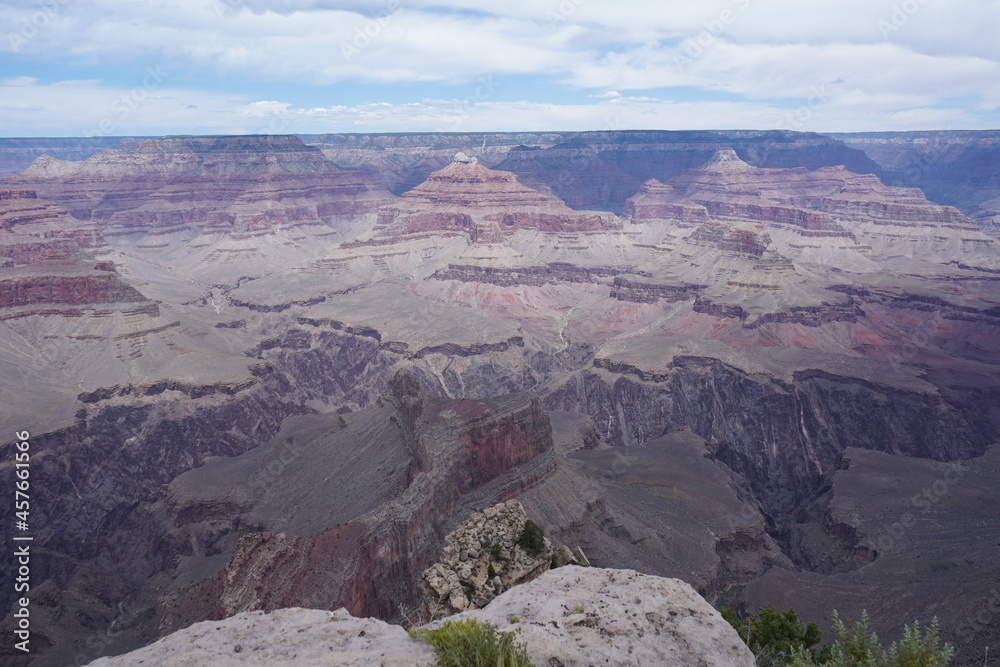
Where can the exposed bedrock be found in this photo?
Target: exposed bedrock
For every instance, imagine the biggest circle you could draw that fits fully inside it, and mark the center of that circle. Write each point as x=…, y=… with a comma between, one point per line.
x=553, y=273
x=780, y=436
x=359, y=549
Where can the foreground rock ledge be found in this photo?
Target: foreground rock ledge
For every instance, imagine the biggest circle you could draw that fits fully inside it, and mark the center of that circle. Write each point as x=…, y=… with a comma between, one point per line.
x=568, y=616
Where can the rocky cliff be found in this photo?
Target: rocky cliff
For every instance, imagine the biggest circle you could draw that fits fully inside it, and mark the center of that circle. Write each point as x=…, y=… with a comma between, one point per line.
x=50, y=258
x=568, y=616
x=490, y=553
x=953, y=167
x=17, y=153
x=429, y=452
x=710, y=358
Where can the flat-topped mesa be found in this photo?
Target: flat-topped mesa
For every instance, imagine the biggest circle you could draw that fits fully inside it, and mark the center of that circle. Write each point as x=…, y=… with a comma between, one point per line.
x=836, y=208
x=47, y=258
x=465, y=192
x=658, y=201
x=244, y=184
x=735, y=238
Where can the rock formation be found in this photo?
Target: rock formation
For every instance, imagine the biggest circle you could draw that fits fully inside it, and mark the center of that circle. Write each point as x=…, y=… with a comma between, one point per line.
x=567, y=616
x=50, y=260
x=235, y=440
x=465, y=193
x=210, y=208
x=837, y=209
x=485, y=557
x=952, y=167
x=431, y=452
x=657, y=201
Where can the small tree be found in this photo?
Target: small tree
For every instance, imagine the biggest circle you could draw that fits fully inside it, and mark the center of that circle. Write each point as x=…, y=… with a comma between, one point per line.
x=532, y=538
x=857, y=646
x=775, y=637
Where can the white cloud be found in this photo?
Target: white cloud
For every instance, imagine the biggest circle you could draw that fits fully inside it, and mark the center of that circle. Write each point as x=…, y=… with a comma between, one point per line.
x=35, y=108
x=765, y=56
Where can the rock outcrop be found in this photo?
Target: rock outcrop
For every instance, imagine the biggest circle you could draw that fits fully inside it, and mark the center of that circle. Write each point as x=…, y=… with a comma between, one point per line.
x=248, y=449
x=834, y=209
x=49, y=261
x=332, y=537
x=569, y=616
x=952, y=167
x=461, y=196
x=484, y=557
x=657, y=201
x=241, y=186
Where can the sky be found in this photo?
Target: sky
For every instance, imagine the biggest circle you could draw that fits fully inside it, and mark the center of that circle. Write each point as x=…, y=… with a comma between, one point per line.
x=156, y=67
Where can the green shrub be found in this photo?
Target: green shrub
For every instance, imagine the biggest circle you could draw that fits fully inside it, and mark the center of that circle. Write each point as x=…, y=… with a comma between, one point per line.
x=496, y=552
x=470, y=643
x=532, y=538
x=857, y=646
x=774, y=638
x=490, y=571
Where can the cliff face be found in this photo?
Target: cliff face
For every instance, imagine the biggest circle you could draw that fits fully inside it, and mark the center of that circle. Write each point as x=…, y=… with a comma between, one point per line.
x=237, y=185
x=49, y=260
x=367, y=554
x=954, y=167
x=17, y=153
x=236, y=441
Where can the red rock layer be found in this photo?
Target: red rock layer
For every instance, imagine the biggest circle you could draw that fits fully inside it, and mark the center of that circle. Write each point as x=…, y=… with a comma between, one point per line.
x=734, y=238
x=371, y=564
x=657, y=201
x=815, y=202
x=47, y=257
x=243, y=185
x=465, y=194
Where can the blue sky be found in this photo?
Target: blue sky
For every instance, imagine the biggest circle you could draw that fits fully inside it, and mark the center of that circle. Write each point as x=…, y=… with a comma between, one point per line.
x=117, y=67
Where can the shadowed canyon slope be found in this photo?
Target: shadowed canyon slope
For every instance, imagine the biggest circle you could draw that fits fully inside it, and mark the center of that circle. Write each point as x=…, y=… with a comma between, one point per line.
x=690, y=357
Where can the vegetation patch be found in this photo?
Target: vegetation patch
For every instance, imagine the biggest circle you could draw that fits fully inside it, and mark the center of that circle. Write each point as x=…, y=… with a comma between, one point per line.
x=781, y=640
x=471, y=643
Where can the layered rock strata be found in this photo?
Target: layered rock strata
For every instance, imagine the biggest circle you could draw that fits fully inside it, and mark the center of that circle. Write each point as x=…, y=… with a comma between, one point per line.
x=50, y=261
x=833, y=203
x=432, y=452
x=234, y=185
x=461, y=196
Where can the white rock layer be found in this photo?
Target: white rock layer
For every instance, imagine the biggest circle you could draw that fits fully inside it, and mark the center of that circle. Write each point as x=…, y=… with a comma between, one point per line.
x=568, y=616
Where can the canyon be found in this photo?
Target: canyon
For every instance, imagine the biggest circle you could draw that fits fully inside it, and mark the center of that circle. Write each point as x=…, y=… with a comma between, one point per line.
x=263, y=372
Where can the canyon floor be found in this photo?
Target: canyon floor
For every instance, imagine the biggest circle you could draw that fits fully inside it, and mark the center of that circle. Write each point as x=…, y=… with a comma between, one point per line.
x=273, y=371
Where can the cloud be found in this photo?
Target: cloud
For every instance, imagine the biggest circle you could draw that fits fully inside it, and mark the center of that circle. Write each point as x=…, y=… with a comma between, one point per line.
x=99, y=109
x=883, y=60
